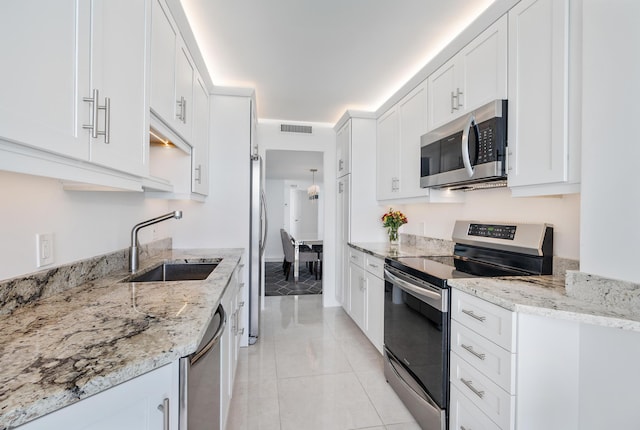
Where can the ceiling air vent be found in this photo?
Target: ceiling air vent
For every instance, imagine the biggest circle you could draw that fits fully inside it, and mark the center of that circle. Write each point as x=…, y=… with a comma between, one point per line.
x=290, y=128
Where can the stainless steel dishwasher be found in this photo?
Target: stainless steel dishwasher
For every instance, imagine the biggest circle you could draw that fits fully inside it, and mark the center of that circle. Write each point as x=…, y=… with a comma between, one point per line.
x=200, y=380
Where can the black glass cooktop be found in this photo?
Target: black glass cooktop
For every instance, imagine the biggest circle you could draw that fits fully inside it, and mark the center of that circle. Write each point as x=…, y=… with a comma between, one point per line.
x=450, y=267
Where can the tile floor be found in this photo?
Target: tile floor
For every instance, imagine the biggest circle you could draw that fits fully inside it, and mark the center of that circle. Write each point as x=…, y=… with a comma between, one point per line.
x=312, y=369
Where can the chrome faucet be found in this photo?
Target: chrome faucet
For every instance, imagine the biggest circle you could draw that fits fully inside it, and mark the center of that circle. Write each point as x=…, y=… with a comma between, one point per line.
x=133, y=249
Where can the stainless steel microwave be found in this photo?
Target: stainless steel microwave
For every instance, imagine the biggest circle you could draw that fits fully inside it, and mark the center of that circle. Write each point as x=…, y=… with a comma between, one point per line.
x=469, y=150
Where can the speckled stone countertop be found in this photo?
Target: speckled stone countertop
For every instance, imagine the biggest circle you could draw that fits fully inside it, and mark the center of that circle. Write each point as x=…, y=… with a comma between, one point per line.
x=76, y=343
x=549, y=295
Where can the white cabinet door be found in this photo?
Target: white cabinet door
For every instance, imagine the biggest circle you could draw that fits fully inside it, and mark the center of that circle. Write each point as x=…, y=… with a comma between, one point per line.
x=164, y=36
x=484, y=67
x=357, y=290
x=538, y=92
x=343, y=230
x=184, y=91
x=343, y=150
x=444, y=90
x=118, y=72
x=200, y=140
x=172, y=73
x=45, y=74
x=413, y=124
x=387, y=180
x=375, y=310
x=398, y=147
x=132, y=405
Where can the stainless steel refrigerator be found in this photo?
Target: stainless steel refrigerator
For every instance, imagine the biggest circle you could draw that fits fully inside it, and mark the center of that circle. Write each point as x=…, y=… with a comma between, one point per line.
x=258, y=235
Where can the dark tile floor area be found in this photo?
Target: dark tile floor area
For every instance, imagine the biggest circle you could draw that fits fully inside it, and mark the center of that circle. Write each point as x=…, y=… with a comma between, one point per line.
x=276, y=285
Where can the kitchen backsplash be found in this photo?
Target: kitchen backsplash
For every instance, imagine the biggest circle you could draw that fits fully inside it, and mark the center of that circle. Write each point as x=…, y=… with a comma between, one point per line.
x=21, y=291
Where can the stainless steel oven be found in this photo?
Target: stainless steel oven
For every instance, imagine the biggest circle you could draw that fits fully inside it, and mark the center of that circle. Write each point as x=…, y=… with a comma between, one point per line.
x=416, y=308
x=416, y=333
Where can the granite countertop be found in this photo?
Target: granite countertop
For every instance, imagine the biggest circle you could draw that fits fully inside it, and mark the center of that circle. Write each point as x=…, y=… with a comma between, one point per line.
x=546, y=295
x=76, y=343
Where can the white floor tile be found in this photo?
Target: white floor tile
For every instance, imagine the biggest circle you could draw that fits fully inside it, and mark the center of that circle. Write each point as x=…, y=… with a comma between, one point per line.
x=312, y=368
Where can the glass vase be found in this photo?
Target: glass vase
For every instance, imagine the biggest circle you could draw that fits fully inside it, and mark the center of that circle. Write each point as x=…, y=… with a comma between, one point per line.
x=394, y=240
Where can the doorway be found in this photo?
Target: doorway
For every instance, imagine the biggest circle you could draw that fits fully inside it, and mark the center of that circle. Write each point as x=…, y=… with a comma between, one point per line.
x=288, y=177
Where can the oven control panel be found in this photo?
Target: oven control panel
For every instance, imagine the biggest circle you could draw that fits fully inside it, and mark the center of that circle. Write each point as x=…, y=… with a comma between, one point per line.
x=494, y=231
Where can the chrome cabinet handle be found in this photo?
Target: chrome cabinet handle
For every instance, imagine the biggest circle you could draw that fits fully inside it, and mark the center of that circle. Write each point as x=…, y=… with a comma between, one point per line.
x=164, y=408
x=199, y=175
x=375, y=266
x=469, y=384
x=463, y=428
x=452, y=105
x=470, y=349
x=340, y=165
x=474, y=316
x=182, y=113
x=93, y=125
x=340, y=187
x=107, y=119
x=458, y=94
x=95, y=108
x=240, y=304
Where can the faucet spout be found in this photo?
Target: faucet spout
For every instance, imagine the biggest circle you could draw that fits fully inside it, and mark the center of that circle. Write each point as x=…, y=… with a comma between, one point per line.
x=133, y=249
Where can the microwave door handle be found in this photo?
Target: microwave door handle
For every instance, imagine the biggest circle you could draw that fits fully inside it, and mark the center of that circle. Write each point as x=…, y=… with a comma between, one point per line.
x=466, y=160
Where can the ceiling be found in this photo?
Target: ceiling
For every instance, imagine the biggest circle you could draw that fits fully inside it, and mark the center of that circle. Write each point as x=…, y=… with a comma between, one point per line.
x=293, y=165
x=310, y=60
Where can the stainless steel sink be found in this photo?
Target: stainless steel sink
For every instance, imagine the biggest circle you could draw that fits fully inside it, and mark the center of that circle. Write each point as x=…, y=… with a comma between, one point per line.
x=175, y=272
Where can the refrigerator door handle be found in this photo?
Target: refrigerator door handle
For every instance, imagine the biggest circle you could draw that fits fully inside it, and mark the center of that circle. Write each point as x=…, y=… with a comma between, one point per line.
x=263, y=216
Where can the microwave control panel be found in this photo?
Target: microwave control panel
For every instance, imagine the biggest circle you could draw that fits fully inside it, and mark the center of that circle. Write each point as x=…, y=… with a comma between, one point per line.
x=486, y=142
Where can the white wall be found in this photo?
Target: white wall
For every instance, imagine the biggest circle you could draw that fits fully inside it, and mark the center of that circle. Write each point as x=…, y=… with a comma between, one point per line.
x=84, y=224
x=437, y=219
x=610, y=148
x=323, y=140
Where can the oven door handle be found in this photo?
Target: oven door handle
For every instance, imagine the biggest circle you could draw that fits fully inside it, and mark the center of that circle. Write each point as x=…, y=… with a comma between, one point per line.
x=422, y=292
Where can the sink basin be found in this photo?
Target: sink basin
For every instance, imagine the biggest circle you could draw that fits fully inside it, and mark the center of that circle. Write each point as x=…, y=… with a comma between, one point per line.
x=175, y=272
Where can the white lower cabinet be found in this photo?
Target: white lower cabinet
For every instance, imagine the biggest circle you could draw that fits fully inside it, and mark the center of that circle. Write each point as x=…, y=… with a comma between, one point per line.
x=138, y=404
x=366, y=295
x=230, y=343
x=510, y=370
x=482, y=364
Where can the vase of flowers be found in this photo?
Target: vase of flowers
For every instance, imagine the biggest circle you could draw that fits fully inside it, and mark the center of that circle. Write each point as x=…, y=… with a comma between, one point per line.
x=392, y=221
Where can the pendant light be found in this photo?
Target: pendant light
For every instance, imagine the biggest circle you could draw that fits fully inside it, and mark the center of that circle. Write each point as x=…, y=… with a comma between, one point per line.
x=313, y=190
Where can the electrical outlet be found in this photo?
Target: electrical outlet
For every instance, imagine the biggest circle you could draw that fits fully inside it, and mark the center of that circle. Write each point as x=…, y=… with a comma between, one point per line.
x=44, y=249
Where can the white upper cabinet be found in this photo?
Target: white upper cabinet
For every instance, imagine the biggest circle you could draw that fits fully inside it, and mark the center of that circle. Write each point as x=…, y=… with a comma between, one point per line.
x=474, y=76
x=387, y=160
x=343, y=150
x=200, y=139
x=118, y=73
x=398, y=147
x=543, y=145
x=172, y=73
x=45, y=74
x=62, y=54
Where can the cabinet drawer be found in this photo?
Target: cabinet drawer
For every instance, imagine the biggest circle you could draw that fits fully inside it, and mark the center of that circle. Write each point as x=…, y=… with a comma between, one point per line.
x=492, y=400
x=464, y=415
x=356, y=257
x=495, y=362
x=493, y=322
x=374, y=265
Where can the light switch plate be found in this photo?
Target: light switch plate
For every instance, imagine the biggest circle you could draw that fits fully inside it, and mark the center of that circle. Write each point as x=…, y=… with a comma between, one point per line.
x=44, y=249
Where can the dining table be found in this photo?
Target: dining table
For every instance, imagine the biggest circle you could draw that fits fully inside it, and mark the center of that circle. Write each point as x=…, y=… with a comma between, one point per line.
x=297, y=243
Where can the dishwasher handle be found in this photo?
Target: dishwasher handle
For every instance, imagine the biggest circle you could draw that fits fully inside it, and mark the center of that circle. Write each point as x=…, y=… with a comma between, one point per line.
x=214, y=340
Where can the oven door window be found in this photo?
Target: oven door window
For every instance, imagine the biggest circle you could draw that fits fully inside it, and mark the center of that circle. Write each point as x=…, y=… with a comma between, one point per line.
x=417, y=334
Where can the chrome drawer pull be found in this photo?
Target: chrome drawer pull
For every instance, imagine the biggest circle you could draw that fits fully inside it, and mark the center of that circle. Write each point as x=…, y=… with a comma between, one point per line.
x=164, y=408
x=470, y=349
x=463, y=428
x=474, y=316
x=469, y=384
